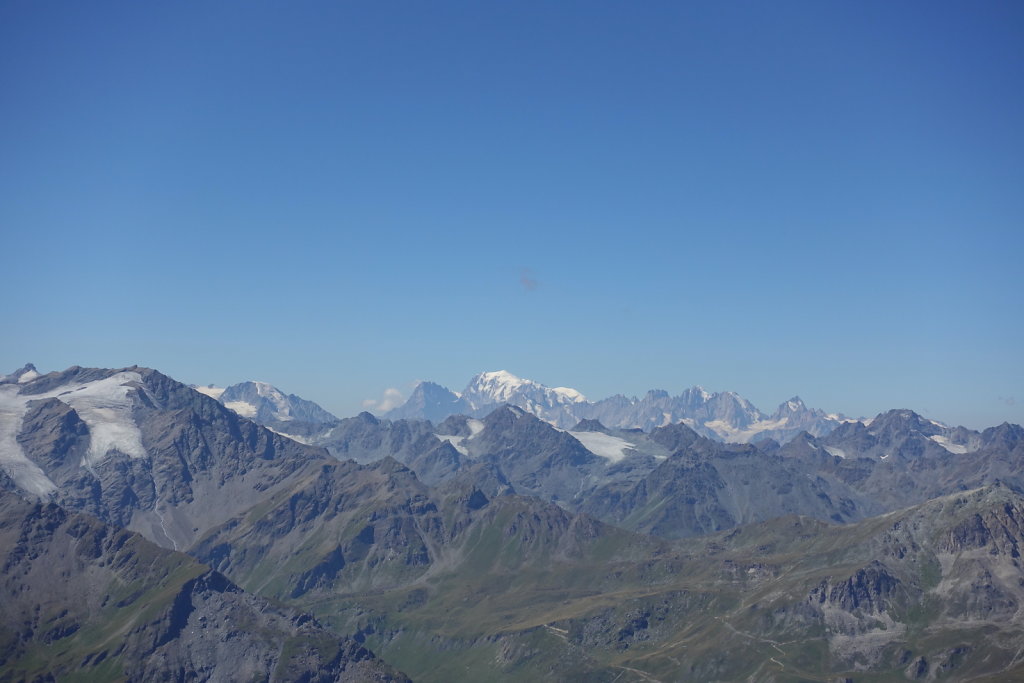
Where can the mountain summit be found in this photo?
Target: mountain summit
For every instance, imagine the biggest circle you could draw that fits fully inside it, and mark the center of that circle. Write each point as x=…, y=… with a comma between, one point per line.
x=264, y=403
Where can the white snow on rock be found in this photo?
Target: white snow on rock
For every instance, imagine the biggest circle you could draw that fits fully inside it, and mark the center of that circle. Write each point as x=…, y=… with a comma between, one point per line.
x=502, y=386
x=103, y=405
x=605, y=445
x=838, y=452
x=570, y=394
x=949, y=445
x=27, y=377
x=243, y=408
x=731, y=434
x=105, y=408
x=211, y=391
x=459, y=442
x=25, y=473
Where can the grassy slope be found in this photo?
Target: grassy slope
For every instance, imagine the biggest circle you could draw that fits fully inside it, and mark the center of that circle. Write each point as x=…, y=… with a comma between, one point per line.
x=524, y=592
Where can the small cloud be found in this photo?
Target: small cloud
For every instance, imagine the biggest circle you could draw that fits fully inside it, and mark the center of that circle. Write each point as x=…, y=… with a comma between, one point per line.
x=527, y=279
x=392, y=398
x=1008, y=400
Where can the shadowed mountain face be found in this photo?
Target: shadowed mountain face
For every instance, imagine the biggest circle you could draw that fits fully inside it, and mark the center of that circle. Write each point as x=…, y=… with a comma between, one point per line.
x=79, y=598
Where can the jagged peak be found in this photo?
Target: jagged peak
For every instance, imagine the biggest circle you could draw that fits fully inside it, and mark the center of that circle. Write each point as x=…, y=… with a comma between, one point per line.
x=24, y=374
x=589, y=425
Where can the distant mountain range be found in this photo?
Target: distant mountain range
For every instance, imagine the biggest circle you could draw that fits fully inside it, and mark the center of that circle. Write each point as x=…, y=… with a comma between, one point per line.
x=494, y=546
x=724, y=416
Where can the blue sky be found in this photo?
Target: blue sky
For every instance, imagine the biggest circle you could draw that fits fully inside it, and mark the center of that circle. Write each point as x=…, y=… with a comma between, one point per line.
x=813, y=198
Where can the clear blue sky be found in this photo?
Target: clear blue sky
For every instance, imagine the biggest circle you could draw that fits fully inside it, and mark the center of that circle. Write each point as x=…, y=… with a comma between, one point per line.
x=814, y=198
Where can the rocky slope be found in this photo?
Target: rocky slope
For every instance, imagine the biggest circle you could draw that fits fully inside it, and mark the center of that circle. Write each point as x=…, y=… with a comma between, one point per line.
x=141, y=451
x=81, y=600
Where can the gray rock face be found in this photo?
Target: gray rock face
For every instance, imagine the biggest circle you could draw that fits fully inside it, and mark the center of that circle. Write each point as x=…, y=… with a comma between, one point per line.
x=352, y=526
x=365, y=438
x=79, y=598
x=141, y=451
x=537, y=459
x=706, y=486
x=430, y=401
x=901, y=459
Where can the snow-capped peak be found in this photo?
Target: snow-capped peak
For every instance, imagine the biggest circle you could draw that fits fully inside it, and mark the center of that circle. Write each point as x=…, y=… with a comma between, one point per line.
x=793, y=405
x=22, y=376
x=501, y=386
x=570, y=394
x=264, y=402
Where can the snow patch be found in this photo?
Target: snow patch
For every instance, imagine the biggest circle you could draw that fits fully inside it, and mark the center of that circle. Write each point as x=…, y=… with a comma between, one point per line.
x=13, y=461
x=105, y=408
x=838, y=452
x=103, y=405
x=243, y=408
x=737, y=435
x=211, y=391
x=27, y=377
x=457, y=442
x=605, y=445
x=949, y=445
x=293, y=437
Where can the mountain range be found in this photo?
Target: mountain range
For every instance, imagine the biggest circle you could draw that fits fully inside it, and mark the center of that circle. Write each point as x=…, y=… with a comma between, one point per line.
x=492, y=546
x=724, y=416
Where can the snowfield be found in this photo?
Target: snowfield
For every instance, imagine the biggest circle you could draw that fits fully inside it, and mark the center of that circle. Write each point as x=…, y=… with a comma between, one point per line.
x=605, y=445
x=103, y=405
